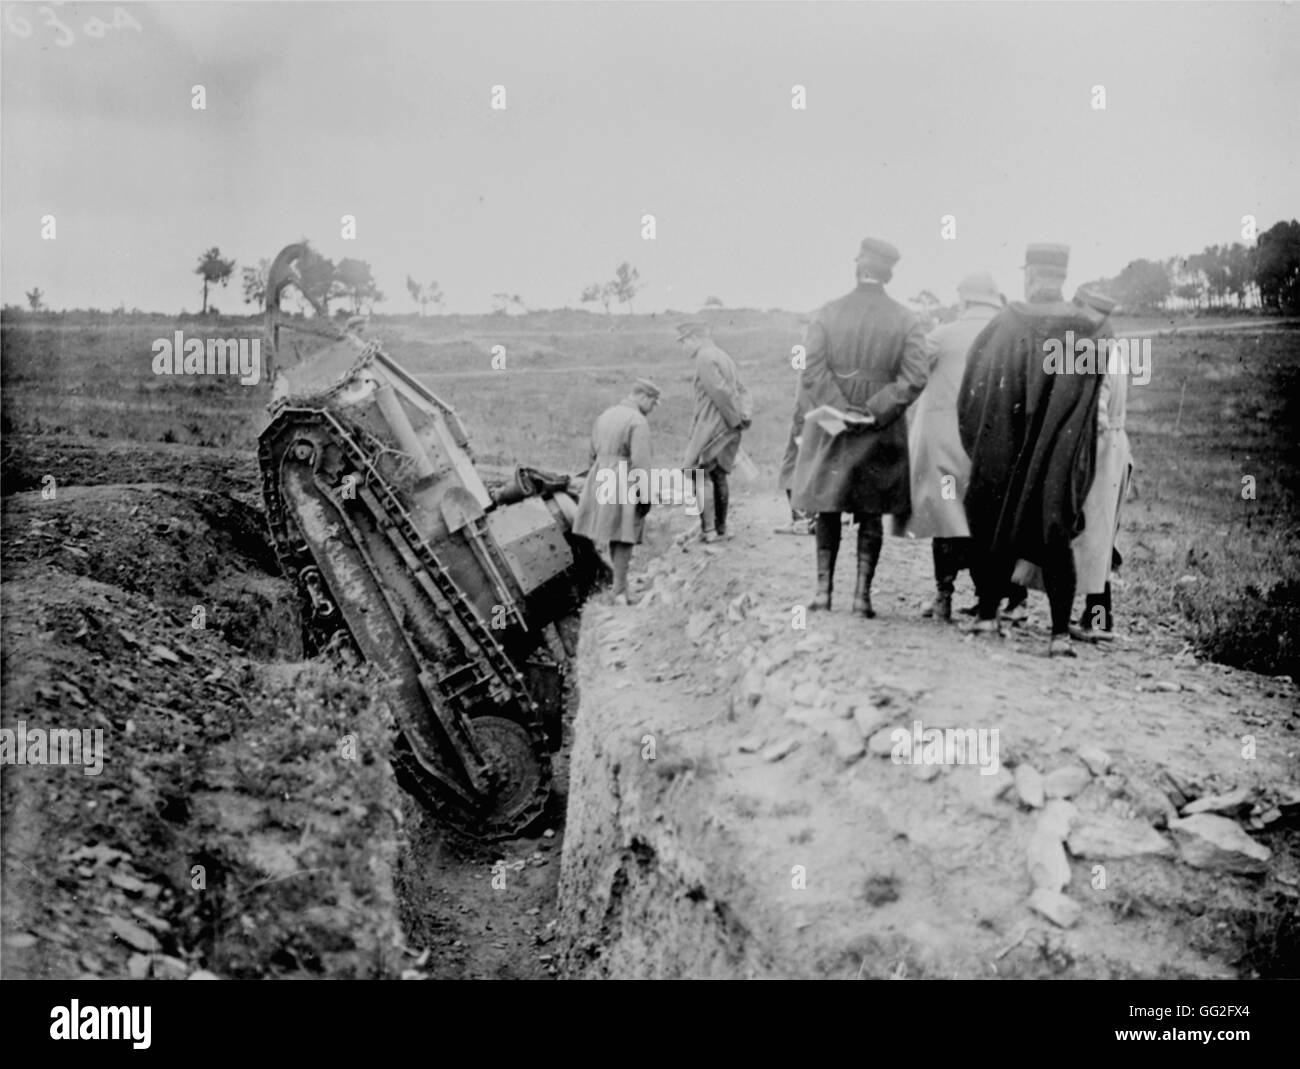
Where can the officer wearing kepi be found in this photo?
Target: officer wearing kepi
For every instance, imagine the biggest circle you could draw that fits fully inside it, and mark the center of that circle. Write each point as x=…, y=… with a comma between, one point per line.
x=865, y=355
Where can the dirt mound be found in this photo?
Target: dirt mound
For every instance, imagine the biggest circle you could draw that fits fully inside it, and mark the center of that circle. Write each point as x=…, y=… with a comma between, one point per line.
x=202, y=810
x=735, y=810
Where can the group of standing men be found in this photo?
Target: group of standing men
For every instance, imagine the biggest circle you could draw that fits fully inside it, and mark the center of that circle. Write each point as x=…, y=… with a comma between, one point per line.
x=621, y=438
x=1015, y=468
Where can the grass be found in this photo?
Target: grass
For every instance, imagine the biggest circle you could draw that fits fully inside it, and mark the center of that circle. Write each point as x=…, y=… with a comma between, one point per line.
x=1218, y=569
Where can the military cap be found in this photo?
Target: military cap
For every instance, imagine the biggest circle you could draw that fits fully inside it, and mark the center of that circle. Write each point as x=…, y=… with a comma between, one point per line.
x=691, y=328
x=875, y=249
x=646, y=387
x=979, y=288
x=1095, y=300
x=1050, y=258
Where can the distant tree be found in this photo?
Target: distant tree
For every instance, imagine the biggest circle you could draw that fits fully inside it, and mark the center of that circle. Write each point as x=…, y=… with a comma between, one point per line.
x=255, y=283
x=607, y=295
x=358, y=284
x=500, y=303
x=319, y=279
x=1239, y=262
x=625, y=284
x=36, y=299
x=214, y=270
x=1142, y=286
x=1277, y=267
x=713, y=302
x=423, y=295
x=591, y=295
x=517, y=301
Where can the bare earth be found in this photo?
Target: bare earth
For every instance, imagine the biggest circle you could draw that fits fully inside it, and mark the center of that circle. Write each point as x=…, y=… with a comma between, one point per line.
x=720, y=857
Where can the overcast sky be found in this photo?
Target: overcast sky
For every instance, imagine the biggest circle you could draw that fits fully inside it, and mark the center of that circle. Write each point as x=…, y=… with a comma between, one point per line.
x=683, y=111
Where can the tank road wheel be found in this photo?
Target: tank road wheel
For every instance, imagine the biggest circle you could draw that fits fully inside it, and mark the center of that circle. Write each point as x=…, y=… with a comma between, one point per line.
x=522, y=782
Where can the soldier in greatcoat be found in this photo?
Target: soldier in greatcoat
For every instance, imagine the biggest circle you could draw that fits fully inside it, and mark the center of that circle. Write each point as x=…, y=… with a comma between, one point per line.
x=1029, y=428
x=723, y=409
x=800, y=521
x=865, y=355
x=620, y=460
x=940, y=466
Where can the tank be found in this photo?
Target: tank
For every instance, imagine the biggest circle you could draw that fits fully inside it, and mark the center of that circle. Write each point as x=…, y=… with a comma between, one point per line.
x=462, y=586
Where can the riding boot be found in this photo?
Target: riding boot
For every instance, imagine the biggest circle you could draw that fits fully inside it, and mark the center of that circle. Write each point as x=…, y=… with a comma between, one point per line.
x=945, y=576
x=721, y=498
x=870, y=537
x=828, y=548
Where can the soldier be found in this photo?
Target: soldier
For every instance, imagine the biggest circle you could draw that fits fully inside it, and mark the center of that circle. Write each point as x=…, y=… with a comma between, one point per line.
x=865, y=355
x=1094, y=550
x=620, y=448
x=800, y=521
x=940, y=467
x=1095, y=555
x=1030, y=433
x=723, y=409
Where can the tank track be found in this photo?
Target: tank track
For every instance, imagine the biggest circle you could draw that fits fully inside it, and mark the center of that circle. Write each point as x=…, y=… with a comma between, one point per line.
x=513, y=702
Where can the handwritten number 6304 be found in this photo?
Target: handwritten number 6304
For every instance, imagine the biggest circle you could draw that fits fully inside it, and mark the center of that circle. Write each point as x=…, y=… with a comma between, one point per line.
x=63, y=35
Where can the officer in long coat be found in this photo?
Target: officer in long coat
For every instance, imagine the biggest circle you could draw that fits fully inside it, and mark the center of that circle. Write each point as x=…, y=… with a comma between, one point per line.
x=800, y=521
x=1030, y=431
x=723, y=409
x=940, y=466
x=865, y=354
x=620, y=460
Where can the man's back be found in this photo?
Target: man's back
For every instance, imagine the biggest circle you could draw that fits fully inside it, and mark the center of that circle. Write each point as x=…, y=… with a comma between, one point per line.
x=865, y=327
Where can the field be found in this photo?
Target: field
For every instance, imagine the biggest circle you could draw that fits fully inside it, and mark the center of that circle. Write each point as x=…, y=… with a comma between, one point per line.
x=1218, y=568
x=157, y=509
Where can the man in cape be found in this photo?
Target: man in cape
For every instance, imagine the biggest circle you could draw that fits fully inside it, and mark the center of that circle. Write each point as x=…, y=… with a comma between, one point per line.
x=1027, y=415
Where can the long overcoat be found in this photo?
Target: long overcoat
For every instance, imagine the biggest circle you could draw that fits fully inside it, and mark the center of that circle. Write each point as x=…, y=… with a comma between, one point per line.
x=1101, y=508
x=785, y=480
x=722, y=403
x=865, y=352
x=940, y=466
x=1030, y=433
x=620, y=442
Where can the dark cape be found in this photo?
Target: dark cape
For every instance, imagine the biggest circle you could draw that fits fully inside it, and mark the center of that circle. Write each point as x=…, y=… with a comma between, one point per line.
x=1030, y=434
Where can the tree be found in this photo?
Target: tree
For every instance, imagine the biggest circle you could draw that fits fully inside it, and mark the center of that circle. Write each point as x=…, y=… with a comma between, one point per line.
x=1277, y=267
x=318, y=278
x=36, y=299
x=625, y=284
x=1240, y=264
x=255, y=283
x=713, y=302
x=592, y=294
x=213, y=269
x=500, y=303
x=1142, y=286
x=518, y=302
x=423, y=295
x=357, y=282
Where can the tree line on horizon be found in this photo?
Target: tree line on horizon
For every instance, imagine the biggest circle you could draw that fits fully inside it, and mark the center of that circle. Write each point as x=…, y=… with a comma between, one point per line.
x=1265, y=275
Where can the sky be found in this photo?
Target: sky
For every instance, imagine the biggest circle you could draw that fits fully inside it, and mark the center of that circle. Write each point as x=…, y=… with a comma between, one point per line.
x=614, y=111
